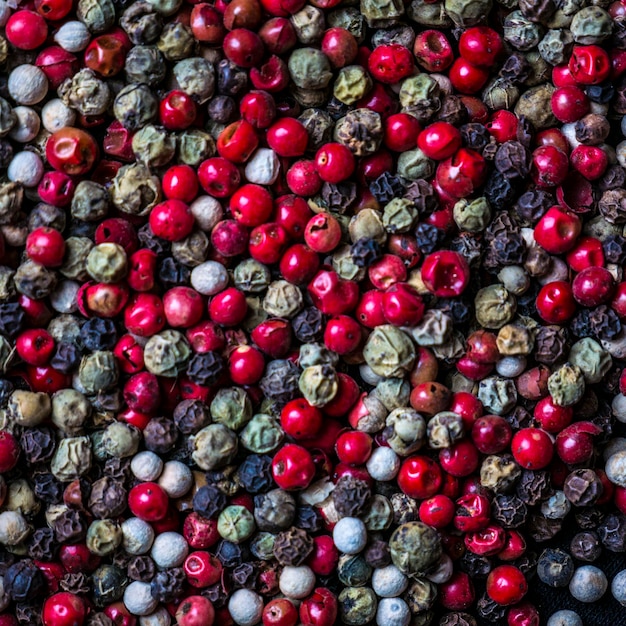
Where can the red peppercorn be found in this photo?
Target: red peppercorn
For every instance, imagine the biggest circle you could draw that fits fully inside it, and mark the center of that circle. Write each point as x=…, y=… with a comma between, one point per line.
x=322, y=233
x=523, y=615
x=467, y=78
x=574, y=444
x=301, y=420
x=439, y=141
x=593, y=286
x=9, y=452
x=303, y=179
x=258, y=108
x=390, y=63
x=419, y=477
x=334, y=162
x=106, y=54
x=202, y=569
x=64, y=609
x=354, y=447
x=280, y=612
x=206, y=24
x=589, y=65
x=549, y=166
x=56, y=188
x=347, y=395
x=71, y=151
x=468, y=406
x=491, y=434
x=26, y=30
x=463, y=173
x=243, y=47
x=481, y=46
x=229, y=238
x=267, y=243
x=472, y=512
x=589, y=161
x=433, y=50
x=331, y=294
x=532, y=448
x=457, y=593
x=180, y=182
x=245, y=365
x=229, y=307
x=293, y=467
x=319, y=609
x=287, y=137
x=487, y=541
x=555, y=302
x=402, y=305
x=587, y=252
x=506, y=585
x=569, y=103
x=35, y=346
x=437, y=511
x=183, y=307
x=299, y=264
x=342, y=334
x=557, y=230
x=57, y=64
x=387, y=271
x=195, y=611
x=144, y=315
x=251, y=205
x=177, y=110
x=445, y=273
x=237, y=141
x=503, y=126
x=199, y=532
x=129, y=355
x=551, y=417
x=460, y=459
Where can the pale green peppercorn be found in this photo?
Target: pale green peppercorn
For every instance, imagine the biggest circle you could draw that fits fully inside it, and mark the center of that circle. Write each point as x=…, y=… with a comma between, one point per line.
x=539, y=70
x=145, y=64
x=472, y=215
x=251, y=276
x=399, y=215
x=500, y=93
x=566, y=385
x=176, y=42
x=520, y=32
x=379, y=514
x=309, y=24
x=394, y=393
x=319, y=126
x=107, y=263
x=11, y=196
x=135, y=190
x=494, y=306
x=352, y=84
x=465, y=13
x=96, y=15
x=166, y=353
x=389, y=352
x=86, y=93
x=353, y=570
x=367, y=224
x=515, y=340
x=415, y=548
x=316, y=354
x=98, y=371
x=361, y=131
x=499, y=473
x=141, y=22
x=70, y=410
x=420, y=96
x=429, y=14
x=283, y=299
x=75, y=261
x=435, y=329
x=235, y=524
x=135, y=106
x=262, y=434
x=593, y=361
x=565, y=12
x=262, y=546
x=154, y=146
x=318, y=384
x=444, y=429
x=307, y=98
x=196, y=77
x=72, y=458
x=195, y=146
x=349, y=18
x=309, y=68
x=497, y=394
x=381, y=13
x=213, y=447
x=104, y=536
x=35, y=280
x=90, y=202
x=193, y=250
x=591, y=25
x=343, y=263
x=415, y=165
x=166, y=7
x=405, y=431
x=231, y=407
x=421, y=595
x=121, y=440
x=534, y=104
x=556, y=46
x=357, y=605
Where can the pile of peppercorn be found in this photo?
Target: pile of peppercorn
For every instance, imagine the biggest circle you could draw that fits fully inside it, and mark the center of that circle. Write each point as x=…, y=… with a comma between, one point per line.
x=311, y=312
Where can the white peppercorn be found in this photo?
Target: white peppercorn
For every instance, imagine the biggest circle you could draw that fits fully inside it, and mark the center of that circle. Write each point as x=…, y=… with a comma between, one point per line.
x=176, y=479
x=25, y=168
x=297, y=582
x=63, y=298
x=13, y=528
x=207, y=211
x=138, y=598
x=27, y=125
x=73, y=36
x=27, y=84
x=383, y=464
x=159, y=618
x=245, y=607
x=615, y=468
x=389, y=582
x=565, y=617
x=588, y=584
x=350, y=535
x=209, y=278
x=169, y=550
x=443, y=571
x=263, y=167
x=5, y=12
x=137, y=536
x=393, y=612
x=146, y=466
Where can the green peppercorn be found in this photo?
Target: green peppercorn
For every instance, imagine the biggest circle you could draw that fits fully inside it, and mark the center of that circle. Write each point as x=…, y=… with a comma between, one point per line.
x=497, y=394
x=96, y=15
x=98, y=371
x=213, y=447
x=193, y=250
x=235, y=524
x=415, y=548
x=591, y=25
x=262, y=434
x=309, y=68
x=194, y=146
x=196, y=77
x=145, y=64
x=86, y=93
x=352, y=84
x=167, y=353
x=90, y=202
x=534, y=105
x=318, y=384
x=135, y=190
x=494, y=306
x=282, y=299
x=344, y=265
x=231, y=407
x=120, y=440
x=154, y=146
x=72, y=458
x=405, y=431
x=353, y=570
x=420, y=96
x=28, y=408
x=103, y=537
x=379, y=514
x=466, y=13
x=593, y=361
x=415, y=165
x=251, y=276
x=500, y=93
x=381, y=13
x=349, y=18
x=357, y=605
x=421, y=595
x=107, y=263
x=367, y=224
x=499, y=473
x=429, y=14
x=567, y=385
x=360, y=130
x=135, y=106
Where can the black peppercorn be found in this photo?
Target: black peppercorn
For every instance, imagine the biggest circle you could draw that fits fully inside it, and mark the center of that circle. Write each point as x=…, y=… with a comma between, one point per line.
x=386, y=187
x=216, y=594
x=585, y=546
x=141, y=568
x=255, y=473
x=308, y=325
x=28, y=614
x=222, y=109
x=149, y=240
x=280, y=381
x=24, y=581
x=168, y=585
x=555, y=567
x=98, y=334
x=365, y=251
x=351, y=496
x=604, y=323
x=339, y=197
x=231, y=554
x=205, y=369
x=69, y=527
x=614, y=248
x=244, y=576
x=292, y=546
x=377, y=554
x=107, y=498
x=191, y=415
x=209, y=501
x=308, y=518
x=475, y=565
x=37, y=444
x=48, y=488
x=41, y=546
x=172, y=273
x=160, y=435
x=612, y=532
x=614, y=177
x=66, y=357
x=12, y=319
x=543, y=529
x=509, y=510
x=428, y=237
x=489, y=610
x=421, y=193
x=582, y=487
x=77, y=583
